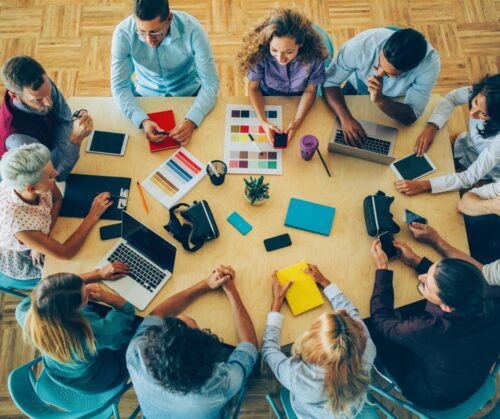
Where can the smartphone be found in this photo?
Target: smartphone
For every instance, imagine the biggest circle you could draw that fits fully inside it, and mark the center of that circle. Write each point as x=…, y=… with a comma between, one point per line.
x=386, y=240
x=277, y=242
x=111, y=231
x=280, y=140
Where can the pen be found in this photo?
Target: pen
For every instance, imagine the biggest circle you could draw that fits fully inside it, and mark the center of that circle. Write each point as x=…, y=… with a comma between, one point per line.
x=214, y=171
x=143, y=199
x=324, y=164
x=255, y=143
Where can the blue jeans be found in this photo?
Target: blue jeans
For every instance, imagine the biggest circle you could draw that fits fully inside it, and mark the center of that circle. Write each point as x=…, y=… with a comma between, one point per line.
x=17, y=284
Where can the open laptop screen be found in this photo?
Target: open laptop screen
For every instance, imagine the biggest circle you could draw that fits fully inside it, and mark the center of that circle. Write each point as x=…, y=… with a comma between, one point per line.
x=148, y=242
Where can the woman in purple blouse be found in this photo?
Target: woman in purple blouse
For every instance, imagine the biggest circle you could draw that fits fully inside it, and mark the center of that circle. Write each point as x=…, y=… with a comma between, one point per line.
x=282, y=55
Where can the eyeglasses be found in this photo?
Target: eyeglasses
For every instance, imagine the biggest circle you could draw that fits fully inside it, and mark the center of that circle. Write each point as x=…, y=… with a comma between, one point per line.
x=152, y=34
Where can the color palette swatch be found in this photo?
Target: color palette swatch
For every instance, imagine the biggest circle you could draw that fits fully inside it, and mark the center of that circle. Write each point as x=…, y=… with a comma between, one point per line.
x=240, y=154
x=174, y=178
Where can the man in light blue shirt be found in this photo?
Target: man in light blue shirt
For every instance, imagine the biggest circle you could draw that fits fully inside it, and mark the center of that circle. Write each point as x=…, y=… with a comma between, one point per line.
x=181, y=372
x=384, y=64
x=171, y=56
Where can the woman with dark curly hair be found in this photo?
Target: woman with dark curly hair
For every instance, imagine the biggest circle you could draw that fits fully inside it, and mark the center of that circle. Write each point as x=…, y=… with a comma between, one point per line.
x=477, y=150
x=182, y=372
x=282, y=55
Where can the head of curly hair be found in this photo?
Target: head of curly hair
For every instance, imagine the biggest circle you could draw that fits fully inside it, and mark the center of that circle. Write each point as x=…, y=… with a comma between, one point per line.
x=179, y=358
x=280, y=22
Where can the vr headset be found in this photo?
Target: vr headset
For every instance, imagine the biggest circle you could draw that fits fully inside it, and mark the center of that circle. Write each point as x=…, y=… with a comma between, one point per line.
x=199, y=228
x=378, y=217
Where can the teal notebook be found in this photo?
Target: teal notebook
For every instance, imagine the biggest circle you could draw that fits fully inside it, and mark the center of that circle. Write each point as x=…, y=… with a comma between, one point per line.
x=310, y=216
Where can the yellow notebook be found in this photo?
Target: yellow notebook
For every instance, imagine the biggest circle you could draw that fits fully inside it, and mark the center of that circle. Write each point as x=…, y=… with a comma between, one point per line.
x=304, y=294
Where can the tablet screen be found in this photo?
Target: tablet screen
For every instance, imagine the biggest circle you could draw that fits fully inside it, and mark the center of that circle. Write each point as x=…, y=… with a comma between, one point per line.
x=107, y=142
x=413, y=167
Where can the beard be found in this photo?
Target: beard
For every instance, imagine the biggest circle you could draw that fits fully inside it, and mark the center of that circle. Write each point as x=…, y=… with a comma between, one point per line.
x=44, y=110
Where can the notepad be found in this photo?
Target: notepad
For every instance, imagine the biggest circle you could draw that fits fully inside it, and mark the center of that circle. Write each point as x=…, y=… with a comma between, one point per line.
x=310, y=216
x=82, y=189
x=166, y=121
x=304, y=294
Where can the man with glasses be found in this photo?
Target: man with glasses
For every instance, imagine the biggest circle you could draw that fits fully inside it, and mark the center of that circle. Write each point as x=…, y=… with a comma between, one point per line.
x=171, y=56
x=384, y=63
x=35, y=111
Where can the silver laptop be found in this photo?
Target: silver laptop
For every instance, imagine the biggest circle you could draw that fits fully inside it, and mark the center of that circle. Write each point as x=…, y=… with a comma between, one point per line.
x=150, y=257
x=378, y=147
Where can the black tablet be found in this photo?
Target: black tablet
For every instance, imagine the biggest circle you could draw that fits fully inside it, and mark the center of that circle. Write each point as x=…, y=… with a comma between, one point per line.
x=413, y=167
x=104, y=142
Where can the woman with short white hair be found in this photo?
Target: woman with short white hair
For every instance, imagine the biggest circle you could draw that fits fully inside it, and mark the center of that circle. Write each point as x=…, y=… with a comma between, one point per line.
x=29, y=205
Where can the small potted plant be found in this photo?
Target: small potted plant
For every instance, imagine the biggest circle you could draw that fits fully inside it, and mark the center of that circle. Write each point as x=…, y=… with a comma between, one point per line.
x=256, y=191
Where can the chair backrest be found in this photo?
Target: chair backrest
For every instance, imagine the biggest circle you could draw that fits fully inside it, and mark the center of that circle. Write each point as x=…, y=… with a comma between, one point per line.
x=464, y=410
x=9, y=285
x=37, y=398
x=329, y=48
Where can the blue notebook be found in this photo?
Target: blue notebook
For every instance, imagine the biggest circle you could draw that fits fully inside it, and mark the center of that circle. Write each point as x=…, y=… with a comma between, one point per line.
x=309, y=216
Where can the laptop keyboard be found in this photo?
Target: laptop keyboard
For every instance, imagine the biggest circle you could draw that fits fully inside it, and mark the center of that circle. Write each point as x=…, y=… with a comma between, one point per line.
x=141, y=271
x=375, y=145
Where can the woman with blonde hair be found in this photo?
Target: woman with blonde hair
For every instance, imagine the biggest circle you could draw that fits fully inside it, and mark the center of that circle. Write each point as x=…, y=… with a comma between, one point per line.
x=329, y=370
x=80, y=349
x=282, y=55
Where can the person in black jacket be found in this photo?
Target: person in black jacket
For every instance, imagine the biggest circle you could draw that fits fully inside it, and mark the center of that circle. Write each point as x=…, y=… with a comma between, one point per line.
x=441, y=355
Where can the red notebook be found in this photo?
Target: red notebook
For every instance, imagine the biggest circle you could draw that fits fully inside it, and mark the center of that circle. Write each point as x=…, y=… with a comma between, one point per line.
x=166, y=121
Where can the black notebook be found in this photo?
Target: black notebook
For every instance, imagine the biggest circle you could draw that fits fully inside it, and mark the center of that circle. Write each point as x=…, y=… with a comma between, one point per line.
x=82, y=189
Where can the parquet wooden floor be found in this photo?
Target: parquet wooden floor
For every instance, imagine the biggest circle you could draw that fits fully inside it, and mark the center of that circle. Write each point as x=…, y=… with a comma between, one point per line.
x=72, y=39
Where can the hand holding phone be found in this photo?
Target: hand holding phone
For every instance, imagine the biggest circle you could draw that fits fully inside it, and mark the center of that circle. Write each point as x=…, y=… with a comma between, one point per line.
x=386, y=240
x=280, y=140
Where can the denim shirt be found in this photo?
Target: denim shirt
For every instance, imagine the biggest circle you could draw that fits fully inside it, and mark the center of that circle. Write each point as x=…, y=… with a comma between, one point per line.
x=157, y=402
x=180, y=66
x=293, y=78
x=357, y=57
x=64, y=154
x=306, y=381
x=106, y=368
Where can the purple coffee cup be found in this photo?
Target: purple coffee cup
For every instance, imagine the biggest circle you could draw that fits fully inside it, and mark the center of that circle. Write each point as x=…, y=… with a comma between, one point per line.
x=308, y=146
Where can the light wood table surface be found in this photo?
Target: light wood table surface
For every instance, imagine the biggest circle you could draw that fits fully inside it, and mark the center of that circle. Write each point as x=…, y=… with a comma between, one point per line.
x=343, y=257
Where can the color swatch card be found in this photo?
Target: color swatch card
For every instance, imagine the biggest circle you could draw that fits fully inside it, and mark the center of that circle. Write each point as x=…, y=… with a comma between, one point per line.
x=241, y=154
x=174, y=178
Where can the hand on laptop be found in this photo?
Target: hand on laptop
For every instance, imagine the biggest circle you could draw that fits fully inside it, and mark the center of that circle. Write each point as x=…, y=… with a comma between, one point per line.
x=99, y=294
x=354, y=133
x=114, y=271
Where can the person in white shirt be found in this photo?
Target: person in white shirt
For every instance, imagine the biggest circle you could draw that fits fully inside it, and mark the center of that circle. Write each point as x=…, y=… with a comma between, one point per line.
x=477, y=150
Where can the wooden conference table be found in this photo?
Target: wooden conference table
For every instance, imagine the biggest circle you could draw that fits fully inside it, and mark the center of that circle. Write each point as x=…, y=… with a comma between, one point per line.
x=343, y=257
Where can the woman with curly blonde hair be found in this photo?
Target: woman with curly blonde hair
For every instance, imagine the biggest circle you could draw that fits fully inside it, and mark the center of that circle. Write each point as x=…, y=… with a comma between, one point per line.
x=329, y=370
x=282, y=55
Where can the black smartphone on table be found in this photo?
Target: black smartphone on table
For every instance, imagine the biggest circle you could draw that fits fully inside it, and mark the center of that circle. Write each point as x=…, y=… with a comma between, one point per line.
x=111, y=231
x=386, y=240
x=277, y=242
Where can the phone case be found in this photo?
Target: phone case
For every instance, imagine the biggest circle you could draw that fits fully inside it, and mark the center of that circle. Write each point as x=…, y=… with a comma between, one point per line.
x=277, y=242
x=111, y=231
x=239, y=223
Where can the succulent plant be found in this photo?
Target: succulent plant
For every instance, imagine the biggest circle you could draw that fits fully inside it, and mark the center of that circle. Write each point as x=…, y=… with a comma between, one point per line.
x=256, y=189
